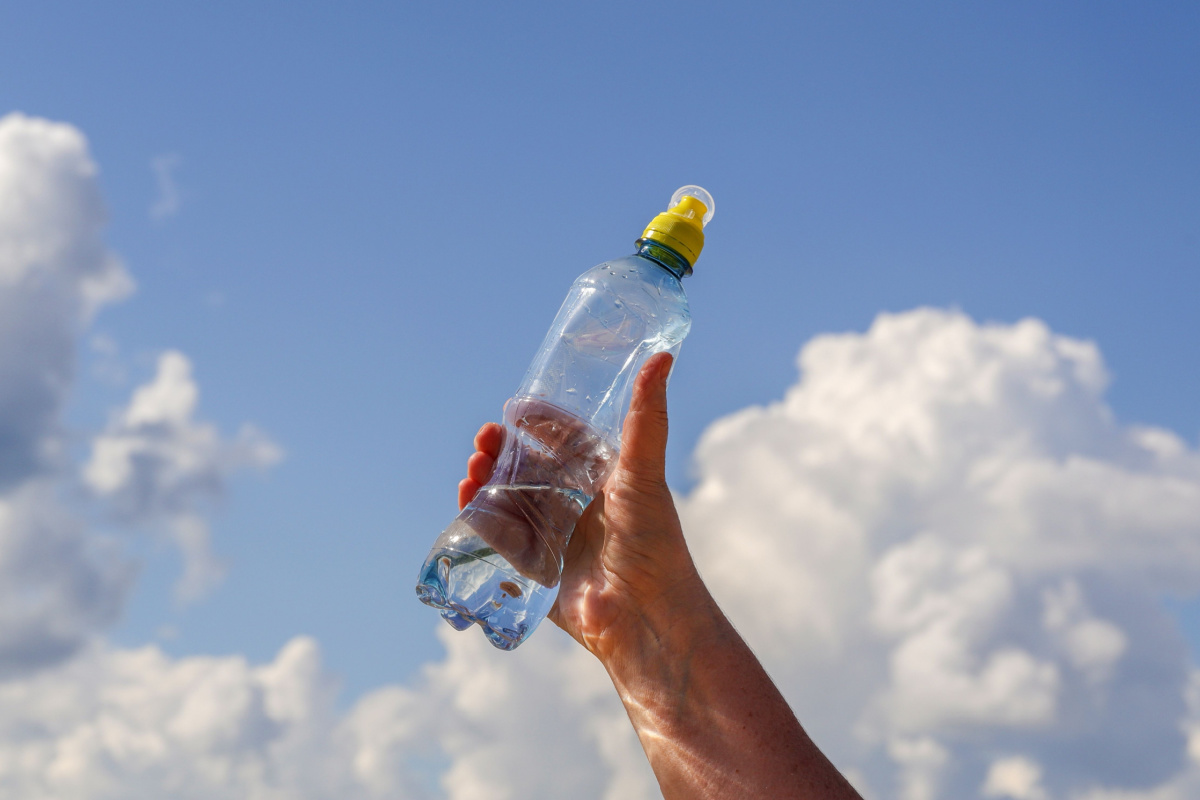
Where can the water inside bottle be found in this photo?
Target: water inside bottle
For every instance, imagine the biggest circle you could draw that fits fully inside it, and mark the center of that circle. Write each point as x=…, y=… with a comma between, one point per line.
x=499, y=563
x=476, y=585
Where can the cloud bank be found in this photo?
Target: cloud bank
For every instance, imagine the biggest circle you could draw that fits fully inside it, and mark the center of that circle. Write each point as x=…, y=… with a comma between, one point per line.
x=58, y=583
x=952, y=557
x=948, y=552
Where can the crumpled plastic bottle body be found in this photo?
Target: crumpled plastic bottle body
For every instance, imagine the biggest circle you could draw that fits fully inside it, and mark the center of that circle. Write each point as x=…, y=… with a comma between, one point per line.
x=499, y=563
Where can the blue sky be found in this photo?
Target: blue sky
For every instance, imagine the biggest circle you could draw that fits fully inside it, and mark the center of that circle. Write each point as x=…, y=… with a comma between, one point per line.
x=362, y=219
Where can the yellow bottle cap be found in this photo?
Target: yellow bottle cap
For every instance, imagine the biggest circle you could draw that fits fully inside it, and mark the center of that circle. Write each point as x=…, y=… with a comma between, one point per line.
x=681, y=226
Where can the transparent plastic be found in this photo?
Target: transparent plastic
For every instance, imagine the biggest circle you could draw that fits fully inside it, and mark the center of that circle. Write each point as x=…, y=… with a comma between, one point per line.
x=499, y=562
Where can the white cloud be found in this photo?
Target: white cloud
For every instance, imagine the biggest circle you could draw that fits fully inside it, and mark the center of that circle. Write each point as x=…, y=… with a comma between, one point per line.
x=1091, y=645
x=555, y=701
x=942, y=535
x=138, y=724
x=54, y=273
x=51, y=216
x=58, y=584
x=156, y=463
x=1015, y=777
x=921, y=763
x=942, y=608
x=156, y=460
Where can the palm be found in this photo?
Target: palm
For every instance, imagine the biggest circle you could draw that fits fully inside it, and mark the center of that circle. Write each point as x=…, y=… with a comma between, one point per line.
x=627, y=550
x=585, y=606
x=623, y=555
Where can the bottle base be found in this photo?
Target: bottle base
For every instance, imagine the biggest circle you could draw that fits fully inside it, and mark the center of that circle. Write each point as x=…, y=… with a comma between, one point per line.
x=473, y=589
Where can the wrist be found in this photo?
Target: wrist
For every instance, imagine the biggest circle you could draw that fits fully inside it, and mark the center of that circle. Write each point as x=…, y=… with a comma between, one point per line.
x=649, y=654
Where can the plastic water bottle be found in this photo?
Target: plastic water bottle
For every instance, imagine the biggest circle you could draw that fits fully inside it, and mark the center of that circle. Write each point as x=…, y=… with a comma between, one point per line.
x=499, y=562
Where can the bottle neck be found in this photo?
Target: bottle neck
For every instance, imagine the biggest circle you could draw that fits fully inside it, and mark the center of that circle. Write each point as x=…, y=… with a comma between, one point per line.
x=665, y=257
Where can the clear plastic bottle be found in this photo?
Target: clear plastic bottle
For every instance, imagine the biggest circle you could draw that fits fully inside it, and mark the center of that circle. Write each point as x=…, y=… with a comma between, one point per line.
x=499, y=562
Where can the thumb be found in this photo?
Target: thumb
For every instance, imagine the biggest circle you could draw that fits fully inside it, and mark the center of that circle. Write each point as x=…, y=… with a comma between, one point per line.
x=644, y=438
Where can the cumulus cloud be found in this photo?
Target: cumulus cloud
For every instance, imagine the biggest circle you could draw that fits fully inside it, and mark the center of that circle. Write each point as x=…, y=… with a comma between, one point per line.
x=1091, y=645
x=942, y=542
x=59, y=582
x=941, y=607
x=156, y=460
x=139, y=724
x=1017, y=778
x=157, y=464
x=55, y=272
x=921, y=762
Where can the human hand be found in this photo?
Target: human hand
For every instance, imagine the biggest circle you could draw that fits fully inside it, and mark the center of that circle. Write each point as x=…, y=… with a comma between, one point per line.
x=627, y=571
x=712, y=723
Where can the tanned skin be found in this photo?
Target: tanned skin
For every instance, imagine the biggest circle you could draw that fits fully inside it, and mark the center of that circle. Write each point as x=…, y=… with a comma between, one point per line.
x=712, y=723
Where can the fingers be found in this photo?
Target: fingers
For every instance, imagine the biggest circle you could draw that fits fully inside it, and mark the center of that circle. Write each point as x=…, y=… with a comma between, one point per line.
x=466, y=490
x=479, y=466
x=644, y=439
x=490, y=438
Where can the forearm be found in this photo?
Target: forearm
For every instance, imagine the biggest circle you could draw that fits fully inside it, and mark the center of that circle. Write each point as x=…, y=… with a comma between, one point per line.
x=712, y=723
